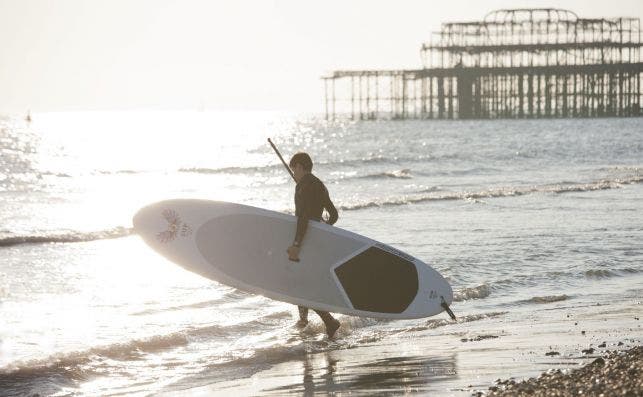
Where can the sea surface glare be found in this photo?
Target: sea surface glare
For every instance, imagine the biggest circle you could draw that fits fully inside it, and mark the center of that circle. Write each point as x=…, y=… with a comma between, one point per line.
x=537, y=225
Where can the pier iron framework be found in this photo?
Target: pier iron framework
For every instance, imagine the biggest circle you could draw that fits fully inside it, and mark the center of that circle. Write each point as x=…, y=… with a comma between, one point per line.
x=515, y=63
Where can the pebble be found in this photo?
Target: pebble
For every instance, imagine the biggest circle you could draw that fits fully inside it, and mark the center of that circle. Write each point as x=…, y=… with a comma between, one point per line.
x=615, y=374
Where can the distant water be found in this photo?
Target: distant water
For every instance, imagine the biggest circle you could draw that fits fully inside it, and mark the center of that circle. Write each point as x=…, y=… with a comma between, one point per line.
x=522, y=217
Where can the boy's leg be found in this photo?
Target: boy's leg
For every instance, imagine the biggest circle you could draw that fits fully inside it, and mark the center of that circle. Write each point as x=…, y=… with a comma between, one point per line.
x=303, y=316
x=331, y=323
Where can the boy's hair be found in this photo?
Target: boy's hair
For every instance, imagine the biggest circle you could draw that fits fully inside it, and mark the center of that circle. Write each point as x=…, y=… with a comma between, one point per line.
x=303, y=159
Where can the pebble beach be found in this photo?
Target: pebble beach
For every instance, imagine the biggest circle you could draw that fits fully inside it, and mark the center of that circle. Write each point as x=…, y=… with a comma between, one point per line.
x=615, y=373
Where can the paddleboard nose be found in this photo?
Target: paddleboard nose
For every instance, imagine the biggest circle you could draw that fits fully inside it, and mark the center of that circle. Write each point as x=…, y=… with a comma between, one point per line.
x=155, y=222
x=143, y=221
x=162, y=223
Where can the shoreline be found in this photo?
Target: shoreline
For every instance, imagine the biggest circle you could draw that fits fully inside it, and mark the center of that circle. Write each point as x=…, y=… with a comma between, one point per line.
x=615, y=373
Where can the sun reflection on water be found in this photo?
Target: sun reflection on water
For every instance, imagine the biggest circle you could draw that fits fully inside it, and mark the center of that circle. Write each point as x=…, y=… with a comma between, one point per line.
x=160, y=141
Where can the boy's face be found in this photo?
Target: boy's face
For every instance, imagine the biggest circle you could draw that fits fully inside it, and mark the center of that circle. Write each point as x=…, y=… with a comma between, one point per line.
x=298, y=171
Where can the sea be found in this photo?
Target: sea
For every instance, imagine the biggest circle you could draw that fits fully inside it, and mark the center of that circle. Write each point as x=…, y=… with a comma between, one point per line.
x=536, y=224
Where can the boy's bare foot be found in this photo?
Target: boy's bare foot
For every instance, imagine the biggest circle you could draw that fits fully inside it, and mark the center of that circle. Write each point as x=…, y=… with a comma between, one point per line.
x=332, y=327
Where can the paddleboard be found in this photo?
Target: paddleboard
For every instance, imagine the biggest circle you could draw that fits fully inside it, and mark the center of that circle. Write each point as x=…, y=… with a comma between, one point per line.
x=339, y=271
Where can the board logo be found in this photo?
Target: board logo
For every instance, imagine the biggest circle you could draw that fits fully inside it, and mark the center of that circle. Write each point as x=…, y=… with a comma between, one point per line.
x=175, y=227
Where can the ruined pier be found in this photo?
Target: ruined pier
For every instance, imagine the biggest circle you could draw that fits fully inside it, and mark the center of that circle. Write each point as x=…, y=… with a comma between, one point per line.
x=518, y=63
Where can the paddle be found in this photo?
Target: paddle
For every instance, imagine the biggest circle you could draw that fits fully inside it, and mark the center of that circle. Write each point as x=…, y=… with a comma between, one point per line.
x=289, y=171
x=282, y=160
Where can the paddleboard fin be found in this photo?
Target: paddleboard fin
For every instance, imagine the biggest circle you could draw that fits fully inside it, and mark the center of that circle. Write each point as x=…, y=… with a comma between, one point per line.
x=446, y=308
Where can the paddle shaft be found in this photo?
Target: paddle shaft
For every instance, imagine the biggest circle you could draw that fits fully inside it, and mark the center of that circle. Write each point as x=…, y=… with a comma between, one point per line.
x=282, y=160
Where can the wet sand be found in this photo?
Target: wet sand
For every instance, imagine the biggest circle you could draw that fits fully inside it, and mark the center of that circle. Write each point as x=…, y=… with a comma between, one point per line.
x=617, y=373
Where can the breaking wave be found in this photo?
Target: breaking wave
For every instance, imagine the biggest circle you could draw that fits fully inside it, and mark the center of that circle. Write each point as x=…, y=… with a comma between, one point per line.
x=70, y=364
x=71, y=237
x=607, y=273
x=230, y=170
x=276, y=166
x=522, y=280
x=599, y=273
x=398, y=174
x=479, y=292
x=230, y=296
x=119, y=172
x=352, y=163
x=497, y=193
x=547, y=299
x=197, y=305
x=442, y=322
x=136, y=348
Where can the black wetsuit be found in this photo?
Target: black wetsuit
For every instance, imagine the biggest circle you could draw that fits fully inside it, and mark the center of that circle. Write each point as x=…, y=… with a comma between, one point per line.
x=311, y=198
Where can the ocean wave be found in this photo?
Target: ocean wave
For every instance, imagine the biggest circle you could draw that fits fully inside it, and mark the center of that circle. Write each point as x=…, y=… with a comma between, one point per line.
x=70, y=362
x=136, y=348
x=547, y=299
x=621, y=168
x=119, y=172
x=568, y=277
x=353, y=163
x=56, y=174
x=383, y=159
x=398, y=174
x=240, y=365
x=630, y=270
x=431, y=189
x=48, y=375
x=442, y=322
x=479, y=292
x=68, y=368
x=196, y=305
x=495, y=193
x=231, y=295
x=276, y=166
x=607, y=273
x=599, y=273
x=71, y=237
x=230, y=170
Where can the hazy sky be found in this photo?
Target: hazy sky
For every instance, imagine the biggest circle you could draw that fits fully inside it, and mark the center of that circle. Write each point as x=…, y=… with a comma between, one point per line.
x=237, y=54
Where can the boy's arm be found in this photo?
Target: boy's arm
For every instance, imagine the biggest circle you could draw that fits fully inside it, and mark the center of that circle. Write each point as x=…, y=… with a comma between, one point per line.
x=332, y=211
x=302, y=222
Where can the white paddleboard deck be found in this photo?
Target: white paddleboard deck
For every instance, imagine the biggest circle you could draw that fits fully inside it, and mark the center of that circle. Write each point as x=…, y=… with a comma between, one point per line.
x=339, y=271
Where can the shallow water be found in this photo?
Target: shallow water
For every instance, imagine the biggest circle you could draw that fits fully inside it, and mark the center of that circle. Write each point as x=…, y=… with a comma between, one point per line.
x=537, y=224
